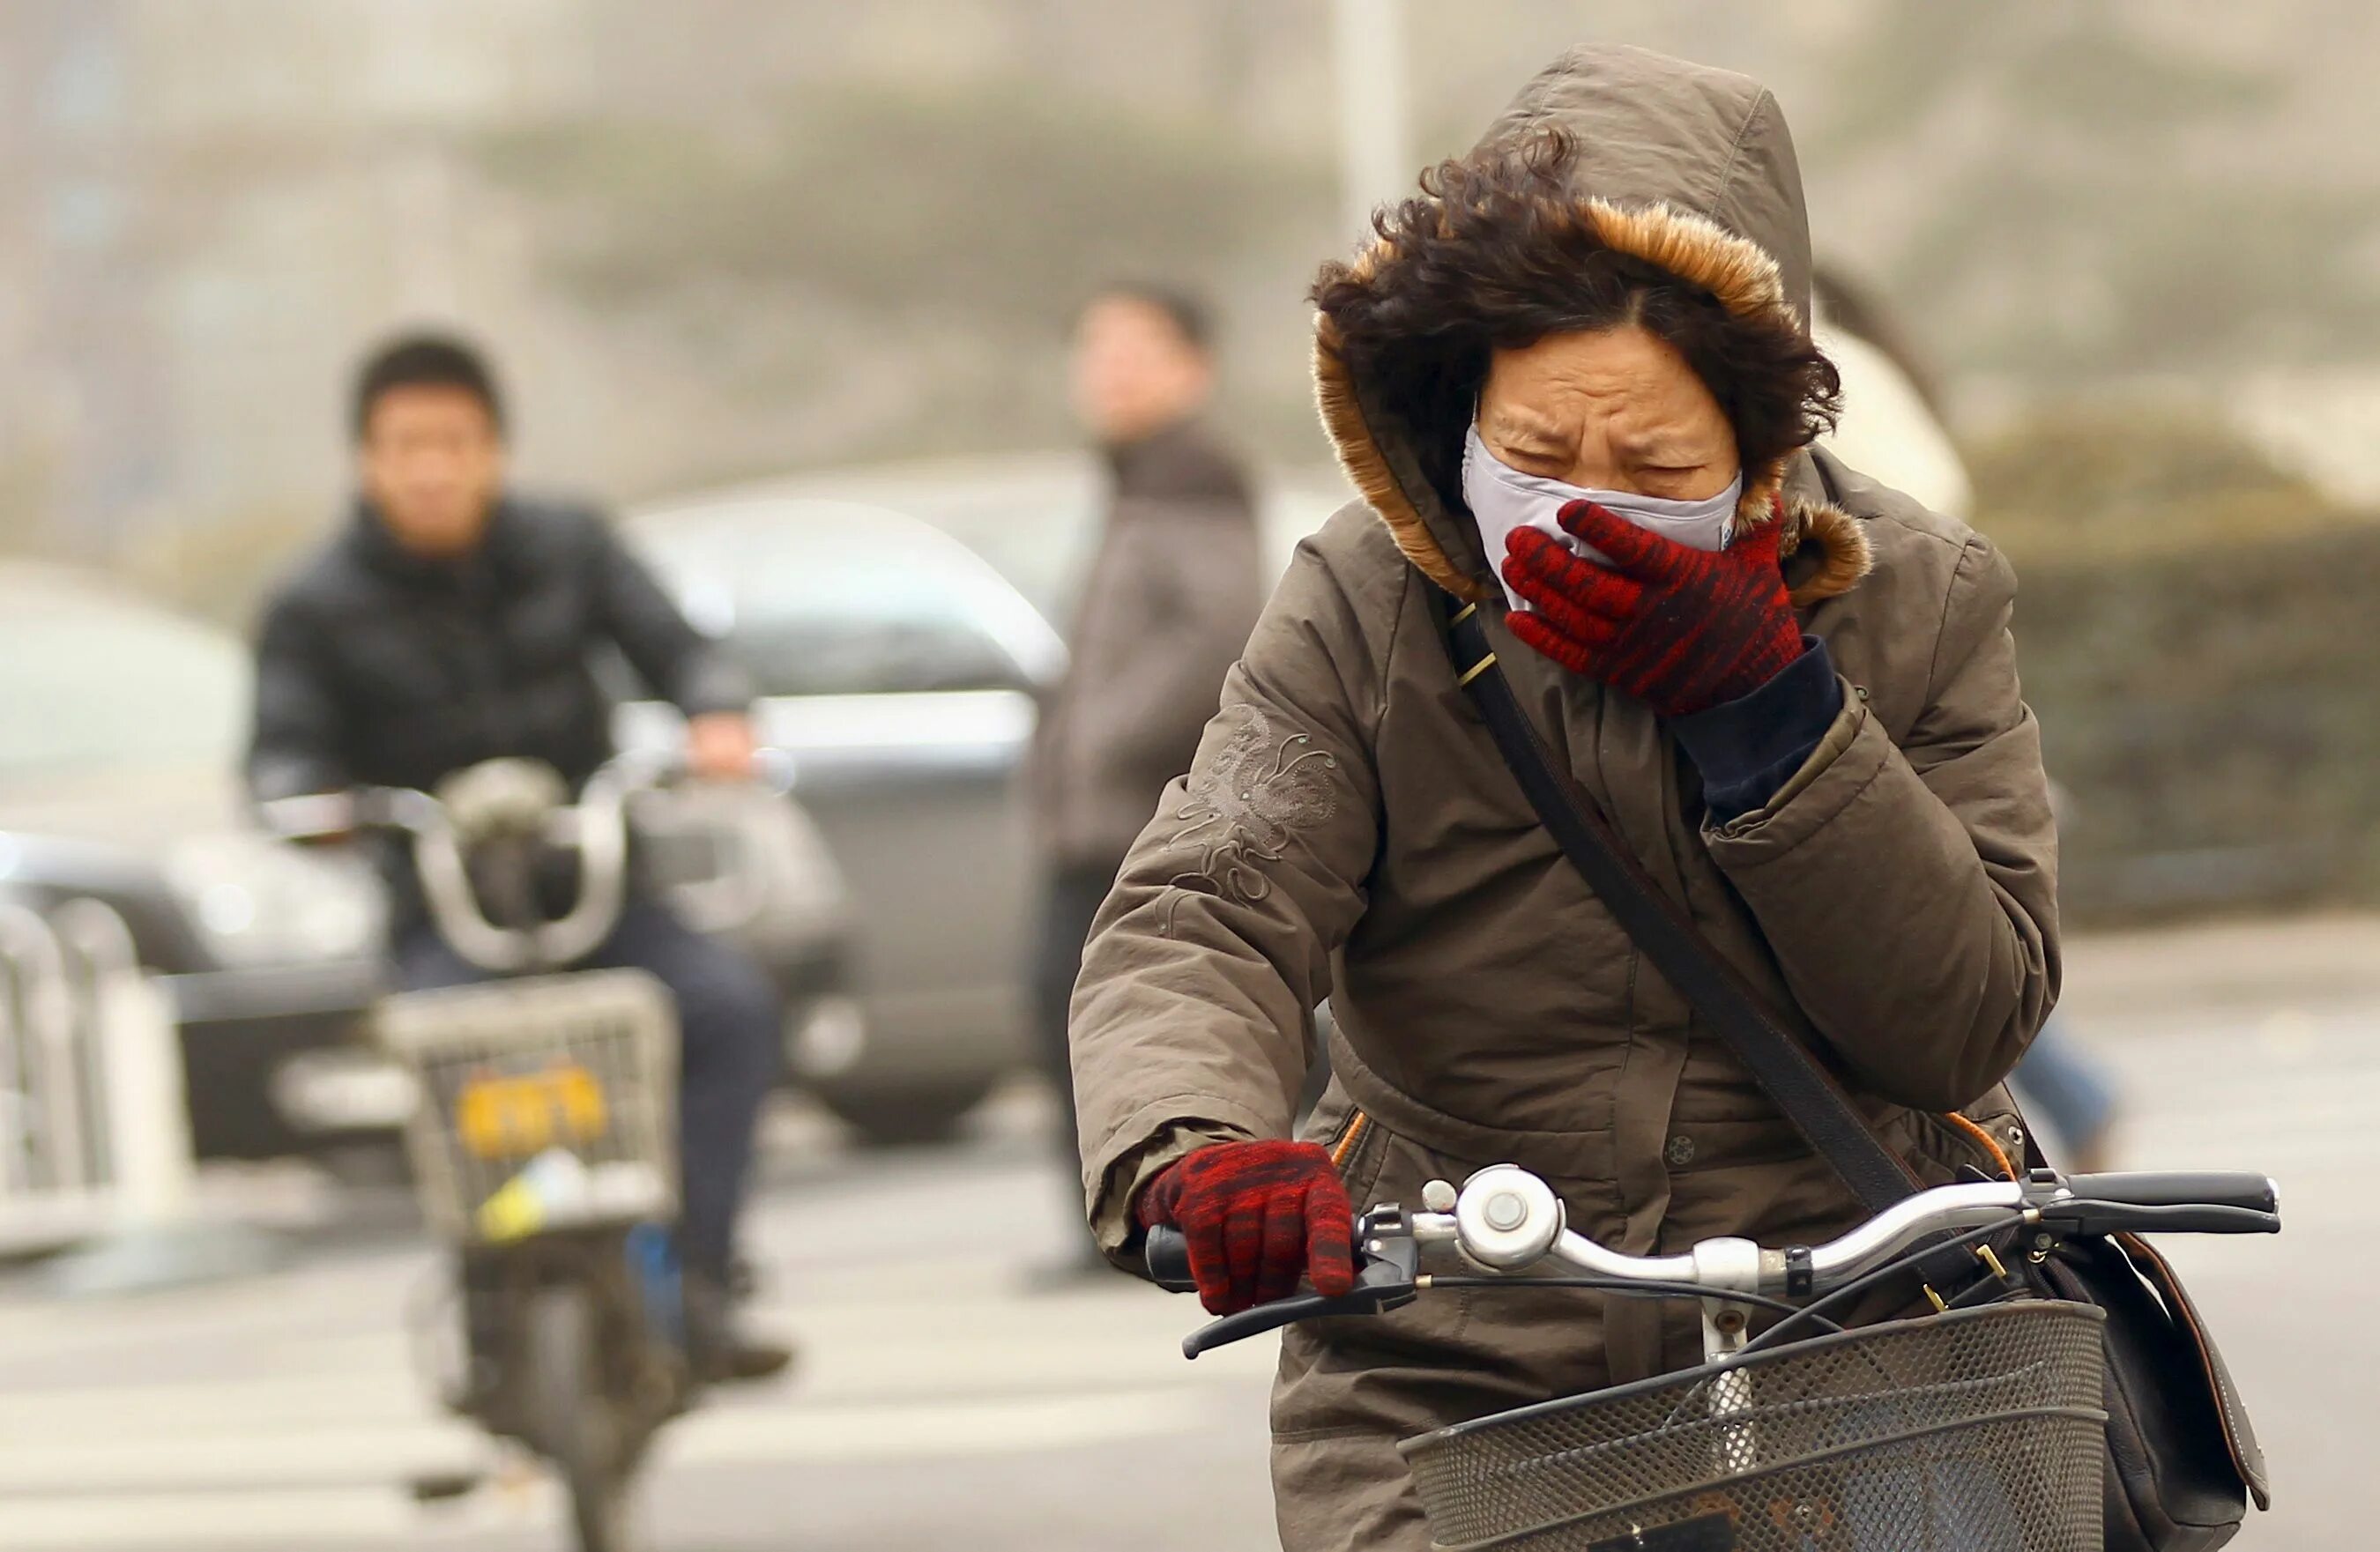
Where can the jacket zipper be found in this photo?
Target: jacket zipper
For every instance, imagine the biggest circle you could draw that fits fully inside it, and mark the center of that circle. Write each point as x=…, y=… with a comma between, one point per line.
x=1350, y=1139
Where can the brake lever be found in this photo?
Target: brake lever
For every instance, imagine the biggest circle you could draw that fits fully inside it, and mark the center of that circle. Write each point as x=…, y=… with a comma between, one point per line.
x=1387, y=1277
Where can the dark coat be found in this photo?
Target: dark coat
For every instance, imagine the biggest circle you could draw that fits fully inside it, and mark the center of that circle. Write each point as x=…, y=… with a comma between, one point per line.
x=1169, y=601
x=376, y=667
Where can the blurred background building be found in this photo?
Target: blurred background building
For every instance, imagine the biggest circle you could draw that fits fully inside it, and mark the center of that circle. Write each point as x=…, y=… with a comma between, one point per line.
x=744, y=236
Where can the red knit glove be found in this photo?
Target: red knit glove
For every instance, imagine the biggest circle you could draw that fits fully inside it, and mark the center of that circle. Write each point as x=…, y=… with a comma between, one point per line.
x=1256, y=1215
x=1682, y=630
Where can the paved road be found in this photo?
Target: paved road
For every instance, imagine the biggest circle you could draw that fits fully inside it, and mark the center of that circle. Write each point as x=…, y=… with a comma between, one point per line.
x=945, y=1405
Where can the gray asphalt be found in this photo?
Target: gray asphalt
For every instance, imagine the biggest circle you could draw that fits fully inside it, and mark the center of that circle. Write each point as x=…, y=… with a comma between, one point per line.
x=945, y=1402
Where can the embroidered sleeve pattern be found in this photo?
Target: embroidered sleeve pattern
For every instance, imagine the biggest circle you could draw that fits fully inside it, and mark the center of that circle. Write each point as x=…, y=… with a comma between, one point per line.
x=1245, y=806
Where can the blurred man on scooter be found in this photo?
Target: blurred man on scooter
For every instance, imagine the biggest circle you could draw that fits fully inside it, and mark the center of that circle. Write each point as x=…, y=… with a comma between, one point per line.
x=453, y=621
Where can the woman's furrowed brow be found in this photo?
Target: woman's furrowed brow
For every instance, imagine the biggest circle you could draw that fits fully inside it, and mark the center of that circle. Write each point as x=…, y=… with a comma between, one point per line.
x=1524, y=428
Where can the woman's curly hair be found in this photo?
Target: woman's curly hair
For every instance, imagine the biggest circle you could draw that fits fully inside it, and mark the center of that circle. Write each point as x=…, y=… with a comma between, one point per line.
x=1497, y=252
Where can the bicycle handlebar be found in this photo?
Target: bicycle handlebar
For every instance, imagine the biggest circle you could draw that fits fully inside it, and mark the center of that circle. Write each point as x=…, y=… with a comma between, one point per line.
x=1507, y=1220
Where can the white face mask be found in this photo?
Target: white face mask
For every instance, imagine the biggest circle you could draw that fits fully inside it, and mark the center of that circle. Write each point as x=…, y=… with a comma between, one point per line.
x=1501, y=498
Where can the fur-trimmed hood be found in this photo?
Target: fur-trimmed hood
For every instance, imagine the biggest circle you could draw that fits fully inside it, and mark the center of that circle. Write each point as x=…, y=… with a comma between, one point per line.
x=1688, y=168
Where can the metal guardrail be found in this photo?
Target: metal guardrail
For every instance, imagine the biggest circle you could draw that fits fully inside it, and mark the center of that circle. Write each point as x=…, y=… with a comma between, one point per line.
x=46, y=1083
x=94, y=1131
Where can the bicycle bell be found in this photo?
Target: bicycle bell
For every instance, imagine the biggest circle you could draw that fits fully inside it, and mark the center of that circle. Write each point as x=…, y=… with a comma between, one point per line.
x=1507, y=1217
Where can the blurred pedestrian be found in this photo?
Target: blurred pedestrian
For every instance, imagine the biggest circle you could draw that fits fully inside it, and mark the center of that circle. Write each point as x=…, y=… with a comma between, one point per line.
x=1891, y=428
x=1175, y=585
x=1572, y=380
x=2061, y=1081
x=453, y=620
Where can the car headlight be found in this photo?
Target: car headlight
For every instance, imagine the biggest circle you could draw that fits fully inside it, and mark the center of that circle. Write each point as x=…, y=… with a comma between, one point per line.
x=258, y=902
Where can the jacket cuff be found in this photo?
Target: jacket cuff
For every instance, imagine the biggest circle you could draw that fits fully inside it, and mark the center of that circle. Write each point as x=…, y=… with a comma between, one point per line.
x=1115, y=1222
x=1156, y=1136
x=1847, y=762
x=1748, y=748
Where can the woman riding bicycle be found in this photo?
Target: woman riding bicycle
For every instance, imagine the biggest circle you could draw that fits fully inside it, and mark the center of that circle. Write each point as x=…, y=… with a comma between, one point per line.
x=1573, y=384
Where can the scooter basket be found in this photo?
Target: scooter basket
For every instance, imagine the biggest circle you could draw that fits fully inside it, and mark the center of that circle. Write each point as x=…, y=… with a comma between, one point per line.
x=545, y=1103
x=1977, y=1431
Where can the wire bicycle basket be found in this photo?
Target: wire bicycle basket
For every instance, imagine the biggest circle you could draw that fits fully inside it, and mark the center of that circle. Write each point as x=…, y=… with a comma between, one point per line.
x=1977, y=1431
x=545, y=1103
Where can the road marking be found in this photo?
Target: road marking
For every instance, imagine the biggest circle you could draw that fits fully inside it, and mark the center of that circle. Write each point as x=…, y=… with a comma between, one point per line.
x=855, y=1351
x=133, y=1491
x=300, y=1517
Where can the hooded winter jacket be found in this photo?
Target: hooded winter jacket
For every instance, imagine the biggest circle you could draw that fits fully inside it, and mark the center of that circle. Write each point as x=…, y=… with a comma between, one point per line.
x=1349, y=832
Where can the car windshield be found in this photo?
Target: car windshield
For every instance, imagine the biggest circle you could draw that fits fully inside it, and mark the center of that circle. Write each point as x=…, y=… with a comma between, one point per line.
x=91, y=682
x=829, y=598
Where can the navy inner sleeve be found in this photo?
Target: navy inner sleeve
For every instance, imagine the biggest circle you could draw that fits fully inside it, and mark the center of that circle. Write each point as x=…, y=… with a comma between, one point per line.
x=1748, y=748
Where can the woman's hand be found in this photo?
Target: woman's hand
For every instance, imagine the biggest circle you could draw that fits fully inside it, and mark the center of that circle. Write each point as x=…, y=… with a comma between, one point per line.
x=1682, y=630
x=1256, y=1216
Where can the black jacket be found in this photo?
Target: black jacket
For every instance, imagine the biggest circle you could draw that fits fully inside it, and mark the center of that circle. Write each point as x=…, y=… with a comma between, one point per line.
x=375, y=667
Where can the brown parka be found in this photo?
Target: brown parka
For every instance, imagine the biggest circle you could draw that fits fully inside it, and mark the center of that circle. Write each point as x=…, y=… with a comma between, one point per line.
x=1349, y=832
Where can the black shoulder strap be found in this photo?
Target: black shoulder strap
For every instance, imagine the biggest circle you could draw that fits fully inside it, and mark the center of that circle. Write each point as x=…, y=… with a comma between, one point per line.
x=1806, y=1092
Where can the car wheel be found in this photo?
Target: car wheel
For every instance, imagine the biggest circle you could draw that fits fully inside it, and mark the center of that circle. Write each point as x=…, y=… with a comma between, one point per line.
x=902, y=1117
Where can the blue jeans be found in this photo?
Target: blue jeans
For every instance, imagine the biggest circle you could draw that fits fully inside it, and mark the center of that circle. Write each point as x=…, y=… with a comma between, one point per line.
x=728, y=1051
x=2059, y=1082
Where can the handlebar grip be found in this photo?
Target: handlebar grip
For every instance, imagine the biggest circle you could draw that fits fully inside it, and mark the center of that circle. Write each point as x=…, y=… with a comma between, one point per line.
x=2180, y=1188
x=2176, y=1202
x=1167, y=1255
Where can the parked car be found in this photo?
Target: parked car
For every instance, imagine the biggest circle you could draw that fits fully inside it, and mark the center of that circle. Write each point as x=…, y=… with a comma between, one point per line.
x=120, y=724
x=1035, y=516
x=900, y=671
x=895, y=620
x=121, y=727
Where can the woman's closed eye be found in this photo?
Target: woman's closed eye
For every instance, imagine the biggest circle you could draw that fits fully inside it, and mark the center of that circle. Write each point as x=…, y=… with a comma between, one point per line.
x=1538, y=460
x=1666, y=480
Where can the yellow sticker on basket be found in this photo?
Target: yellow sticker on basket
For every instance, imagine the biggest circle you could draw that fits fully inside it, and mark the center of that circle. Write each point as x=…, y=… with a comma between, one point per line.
x=513, y=1212
x=511, y=1117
